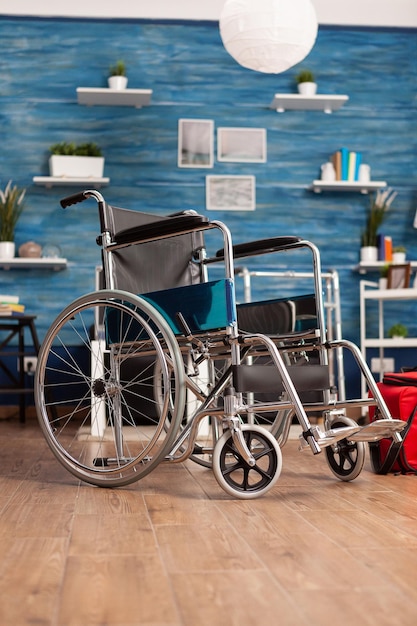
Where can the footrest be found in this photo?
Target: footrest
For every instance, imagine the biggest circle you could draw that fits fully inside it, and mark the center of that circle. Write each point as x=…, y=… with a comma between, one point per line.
x=329, y=437
x=380, y=429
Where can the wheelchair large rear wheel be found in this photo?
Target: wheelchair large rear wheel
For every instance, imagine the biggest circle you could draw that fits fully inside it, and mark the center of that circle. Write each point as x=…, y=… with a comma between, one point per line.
x=105, y=415
x=235, y=475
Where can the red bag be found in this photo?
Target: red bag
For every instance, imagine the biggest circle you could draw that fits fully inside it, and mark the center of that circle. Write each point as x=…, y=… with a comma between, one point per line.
x=400, y=394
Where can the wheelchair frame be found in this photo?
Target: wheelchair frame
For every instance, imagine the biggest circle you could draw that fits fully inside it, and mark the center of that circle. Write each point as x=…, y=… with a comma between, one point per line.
x=167, y=353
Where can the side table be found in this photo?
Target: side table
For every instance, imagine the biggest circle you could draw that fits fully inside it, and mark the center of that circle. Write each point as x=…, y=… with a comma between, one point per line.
x=12, y=327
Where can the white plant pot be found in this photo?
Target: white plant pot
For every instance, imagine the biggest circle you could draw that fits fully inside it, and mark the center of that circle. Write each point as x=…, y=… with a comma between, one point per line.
x=76, y=166
x=369, y=254
x=117, y=82
x=398, y=258
x=307, y=89
x=383, y=283
x=7, y=249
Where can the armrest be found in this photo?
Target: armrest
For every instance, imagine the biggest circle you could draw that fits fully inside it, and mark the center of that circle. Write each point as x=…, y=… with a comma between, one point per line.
x=156, y=230
x=262, y=246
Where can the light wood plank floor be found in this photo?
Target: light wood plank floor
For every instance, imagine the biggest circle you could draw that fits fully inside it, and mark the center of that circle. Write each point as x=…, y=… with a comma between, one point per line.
x=175, y=550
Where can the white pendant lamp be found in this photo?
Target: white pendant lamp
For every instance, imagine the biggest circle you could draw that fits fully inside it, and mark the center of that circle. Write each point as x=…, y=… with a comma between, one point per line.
x=268, y=35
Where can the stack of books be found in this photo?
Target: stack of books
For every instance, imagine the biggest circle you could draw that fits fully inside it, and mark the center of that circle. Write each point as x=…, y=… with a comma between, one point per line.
x=384, y=244
x=346, y=164
x=10, y=306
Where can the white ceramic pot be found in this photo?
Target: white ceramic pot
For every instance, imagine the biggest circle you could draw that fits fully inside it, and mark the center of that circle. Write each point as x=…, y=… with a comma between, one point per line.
x=398, y=258
x=383, y=283
x=369, y=254
x=117, y=82
x=307, y=89
x=76, y=166
x=7, y=249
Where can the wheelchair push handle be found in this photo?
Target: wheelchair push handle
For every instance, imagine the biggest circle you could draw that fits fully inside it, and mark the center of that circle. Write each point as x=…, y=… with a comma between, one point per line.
x=76, y=198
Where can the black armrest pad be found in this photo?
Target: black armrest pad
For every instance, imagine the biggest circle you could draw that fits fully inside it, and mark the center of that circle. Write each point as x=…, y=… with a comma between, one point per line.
x=262, y=246
x=155, y=230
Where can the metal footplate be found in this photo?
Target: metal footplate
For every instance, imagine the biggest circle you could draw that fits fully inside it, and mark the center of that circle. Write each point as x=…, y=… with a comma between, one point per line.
x=379, y=429
x=328, y=437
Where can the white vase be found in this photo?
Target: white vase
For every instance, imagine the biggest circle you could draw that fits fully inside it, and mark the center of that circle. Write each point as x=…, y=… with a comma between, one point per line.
x=7, y=249
x=383, y=283
x=369, y=254
x=307, y=89
x=117, y=82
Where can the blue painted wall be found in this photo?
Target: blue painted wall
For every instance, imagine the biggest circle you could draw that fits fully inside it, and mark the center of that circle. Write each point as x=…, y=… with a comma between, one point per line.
x=43, y=61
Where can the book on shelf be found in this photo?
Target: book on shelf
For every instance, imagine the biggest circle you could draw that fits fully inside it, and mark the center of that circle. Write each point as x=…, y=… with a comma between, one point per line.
x=344, y=163
x=337, y=164
x=8, y=299
x=11, y=309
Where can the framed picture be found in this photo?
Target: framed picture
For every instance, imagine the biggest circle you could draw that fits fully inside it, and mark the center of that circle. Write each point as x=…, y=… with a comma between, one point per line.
x=399, y=276
x=241, y=145
x=230, y=193
x=195, y=143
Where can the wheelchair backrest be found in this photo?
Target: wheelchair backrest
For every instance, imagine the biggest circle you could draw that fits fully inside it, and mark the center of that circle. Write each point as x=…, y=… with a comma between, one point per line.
x=152, y=266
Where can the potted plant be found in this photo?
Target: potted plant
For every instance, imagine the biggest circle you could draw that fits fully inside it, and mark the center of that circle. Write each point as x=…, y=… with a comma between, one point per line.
x=378, y=207
x=117, y=75
x=306, y=83
x=11, y=207
x=398, y=255
x=398, y=331
x=383, y=276
x=72, y=160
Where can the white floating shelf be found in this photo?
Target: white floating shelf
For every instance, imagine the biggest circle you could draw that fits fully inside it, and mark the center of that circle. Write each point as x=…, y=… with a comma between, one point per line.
x=114, y=97
x=364, y=268
x=60, y=181
x=345, y=185
x=297, y=102
x=51, y=263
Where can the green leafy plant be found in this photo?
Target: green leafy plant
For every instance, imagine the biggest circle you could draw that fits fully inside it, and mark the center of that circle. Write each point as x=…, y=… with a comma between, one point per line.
x=305, y=76
x=118, y=69
x=11, y=207
x=398, y=330
x=71, y=149
x=384, y=271
x=399, y=249
x=378, y=208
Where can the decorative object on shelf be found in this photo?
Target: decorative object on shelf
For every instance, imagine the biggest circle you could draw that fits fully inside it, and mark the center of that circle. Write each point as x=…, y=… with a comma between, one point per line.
x=398, y=255
x=364, y=173
x=328, y=171
x=30, y=250
x=70, y=160
x=306, y=83
x=51, y=251
x=11, y=207
x=398, y=331
x=268, y=36
x=399, y=276
x=117, y=75
x=378, y=207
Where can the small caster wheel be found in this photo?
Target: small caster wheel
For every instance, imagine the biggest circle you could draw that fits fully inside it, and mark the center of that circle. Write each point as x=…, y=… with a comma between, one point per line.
x=235, y=475
x=345, y=458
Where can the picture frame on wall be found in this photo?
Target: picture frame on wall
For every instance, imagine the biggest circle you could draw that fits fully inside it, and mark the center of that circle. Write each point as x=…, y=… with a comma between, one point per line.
x=195, y=143
x=399, y=276
x=241, y=145
x=230, y=193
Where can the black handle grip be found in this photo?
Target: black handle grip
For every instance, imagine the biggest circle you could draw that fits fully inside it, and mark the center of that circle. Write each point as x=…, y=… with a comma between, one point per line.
x=74, y=199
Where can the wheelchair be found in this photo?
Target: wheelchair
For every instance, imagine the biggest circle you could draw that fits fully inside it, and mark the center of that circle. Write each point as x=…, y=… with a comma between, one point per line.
x=161, y=364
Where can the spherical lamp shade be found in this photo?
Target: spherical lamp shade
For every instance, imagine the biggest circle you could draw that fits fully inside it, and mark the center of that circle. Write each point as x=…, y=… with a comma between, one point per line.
x=268, y=35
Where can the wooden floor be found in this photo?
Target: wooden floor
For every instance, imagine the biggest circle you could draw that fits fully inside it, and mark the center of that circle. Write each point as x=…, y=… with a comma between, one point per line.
x=175, y=550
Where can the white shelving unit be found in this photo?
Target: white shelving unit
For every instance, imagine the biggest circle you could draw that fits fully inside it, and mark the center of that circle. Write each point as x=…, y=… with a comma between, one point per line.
x=344, y=185
x=59, y=181
x=92, y=96
x=297, y=102
x=53, y=263
x=370, y=292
